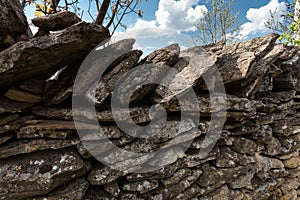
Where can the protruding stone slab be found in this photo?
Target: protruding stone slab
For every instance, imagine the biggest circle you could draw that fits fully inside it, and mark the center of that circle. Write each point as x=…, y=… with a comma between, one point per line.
x=57, y=21
x=76, y=189
x=106, y=85
x=139, y=83
x=199, y=63
x=8, y=106
x=33, y=86
x=45, y=55
x=25, y=147
x=38, y=173
x=15, y=125
x=99, y=62
x=13, y=21
x=22, y=96
x=61, y=88
x=103, y=175
x=5, y=119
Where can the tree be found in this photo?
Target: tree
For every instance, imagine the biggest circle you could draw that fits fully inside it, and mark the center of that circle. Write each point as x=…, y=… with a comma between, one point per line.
x=288, y=26
x=110, y=12
x=216, y=23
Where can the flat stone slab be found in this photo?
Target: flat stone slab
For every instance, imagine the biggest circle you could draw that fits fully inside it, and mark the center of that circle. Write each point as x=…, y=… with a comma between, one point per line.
x=29, y=146
x=9, y=106
x=22, y=96
x=29, y=59
x=139, y=83
x=57, y=21
x=73, y=190
x=107, y=83
x=38, y=173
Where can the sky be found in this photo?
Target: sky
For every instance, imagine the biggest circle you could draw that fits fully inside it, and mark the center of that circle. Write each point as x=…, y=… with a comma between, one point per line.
x=171, y=21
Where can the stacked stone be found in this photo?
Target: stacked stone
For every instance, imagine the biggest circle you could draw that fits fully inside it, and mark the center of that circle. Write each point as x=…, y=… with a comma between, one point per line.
x=42, y=156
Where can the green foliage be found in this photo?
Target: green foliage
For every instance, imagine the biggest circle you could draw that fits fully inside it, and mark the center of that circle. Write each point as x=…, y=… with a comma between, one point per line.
x=217, y=23
x=287, y=27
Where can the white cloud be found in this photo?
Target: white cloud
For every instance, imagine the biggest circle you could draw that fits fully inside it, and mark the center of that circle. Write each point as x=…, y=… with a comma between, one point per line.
x=172, y=18
x=258, y=17
x=180, y=15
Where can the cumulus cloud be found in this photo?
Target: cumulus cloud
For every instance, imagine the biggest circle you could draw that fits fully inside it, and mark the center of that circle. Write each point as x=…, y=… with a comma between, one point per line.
x=180, y=15
x=258, y=16
x=171, y=19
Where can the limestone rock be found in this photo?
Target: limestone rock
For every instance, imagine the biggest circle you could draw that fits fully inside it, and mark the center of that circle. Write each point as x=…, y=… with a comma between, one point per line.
x=28, y=59
x=103, y=175
x=98, y=62
x=72, y=190
x=25, y=147
x=33, y=86
x=8, y=106
x=22, y=96
x=107, y=83
x=141, y=186
x=15, y=125
x=5, y=119
x=13, y=22
x=57, y=21
x=43, y=171
x=135, y=86
x=58, y=90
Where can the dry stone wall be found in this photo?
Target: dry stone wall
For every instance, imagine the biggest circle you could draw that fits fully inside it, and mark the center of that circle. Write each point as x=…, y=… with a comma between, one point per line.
x=255, y=157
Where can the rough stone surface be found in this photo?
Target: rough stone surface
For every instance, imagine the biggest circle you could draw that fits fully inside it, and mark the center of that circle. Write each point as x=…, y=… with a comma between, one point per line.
x=57, y=21
x=39, y=173
x=255, y=154
x=32, y=58
x=13, y=22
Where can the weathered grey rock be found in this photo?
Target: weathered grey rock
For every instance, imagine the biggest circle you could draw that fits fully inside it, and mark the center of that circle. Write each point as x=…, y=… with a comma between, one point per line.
x=38, y=173
x=141, y=186
x=75, y=189
x=102, y=175
x=33, y=86
x=139, y=83
x=4, y=137
x=108, y=82
x=15, y=125
x=138, y=114
x=288, y=79
x=214, y=104
x=8, y=106
x=256, y=155
x=98, y=62
x=28, y=59
x=189, y=193
x=6, y=118
x=176, y=177
x=25, y=147
x=164, y=172
x=98, y=193
x=13, y=22
x=174, y=190
x=215, y=178
x=58, y=90
x=22, y=96
x=199, y=63
x=221, y=193
x=112, y=188
x=57, y=21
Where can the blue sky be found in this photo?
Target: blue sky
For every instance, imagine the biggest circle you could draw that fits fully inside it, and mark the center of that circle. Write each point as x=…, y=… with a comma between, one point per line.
x=170, y=21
